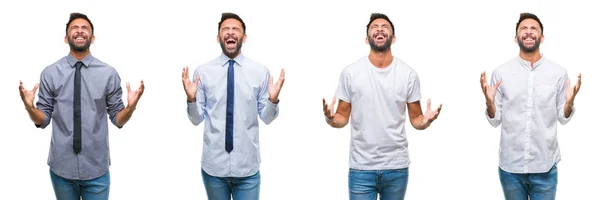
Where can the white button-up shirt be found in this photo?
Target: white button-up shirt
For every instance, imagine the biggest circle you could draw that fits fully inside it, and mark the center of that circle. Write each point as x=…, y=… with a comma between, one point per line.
x=528, y=102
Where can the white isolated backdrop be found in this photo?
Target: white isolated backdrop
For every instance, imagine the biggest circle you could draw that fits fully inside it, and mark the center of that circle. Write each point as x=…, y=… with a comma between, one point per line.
x=157, y=154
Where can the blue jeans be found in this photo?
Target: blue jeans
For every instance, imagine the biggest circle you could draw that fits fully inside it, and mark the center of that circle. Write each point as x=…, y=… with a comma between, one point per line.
x=366, y=184
x=538, y=186
x=67, y=189
x=223, y=188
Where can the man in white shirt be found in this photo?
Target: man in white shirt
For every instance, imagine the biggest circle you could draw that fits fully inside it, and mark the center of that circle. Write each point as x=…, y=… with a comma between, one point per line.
x=377, y=89
x=533, y=93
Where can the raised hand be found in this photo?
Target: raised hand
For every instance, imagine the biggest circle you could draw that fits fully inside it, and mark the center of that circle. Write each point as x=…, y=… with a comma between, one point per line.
x=488, y=91
x=274, y=89
x=190, y=87
x=27, y=95
x=430, y=115
x=328, y=109
x=572, y=91
x=134, y=96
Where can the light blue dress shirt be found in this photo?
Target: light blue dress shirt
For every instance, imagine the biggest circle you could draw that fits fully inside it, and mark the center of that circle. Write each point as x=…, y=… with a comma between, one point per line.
x=251, y=101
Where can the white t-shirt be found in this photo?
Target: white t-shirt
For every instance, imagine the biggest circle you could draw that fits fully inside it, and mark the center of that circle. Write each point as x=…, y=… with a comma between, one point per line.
x=378, y=97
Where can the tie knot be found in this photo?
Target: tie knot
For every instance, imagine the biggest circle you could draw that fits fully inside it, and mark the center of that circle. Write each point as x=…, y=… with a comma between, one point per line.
x=231, y=62
x=78, y=65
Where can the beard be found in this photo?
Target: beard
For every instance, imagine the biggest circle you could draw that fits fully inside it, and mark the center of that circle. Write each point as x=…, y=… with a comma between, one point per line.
x=531, y=49
x=84, y=47
x=231, y=54
x=383, y=48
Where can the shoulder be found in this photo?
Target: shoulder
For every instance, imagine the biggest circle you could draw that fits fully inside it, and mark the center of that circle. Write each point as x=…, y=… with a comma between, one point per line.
x=507, y=67
x=554, y=66
x=254, y=66
x=97, y=63
x=355, y=67
x=403, y=66
x=55, y=67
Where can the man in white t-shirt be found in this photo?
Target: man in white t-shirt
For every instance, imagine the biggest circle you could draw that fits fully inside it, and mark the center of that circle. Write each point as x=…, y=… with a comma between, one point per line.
x=378, y=89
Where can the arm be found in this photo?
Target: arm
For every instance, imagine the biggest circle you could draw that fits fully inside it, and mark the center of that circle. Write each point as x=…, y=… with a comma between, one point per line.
x=132, y=99
x=493, y=102
x=565, y=99
x=419, y=120
x=41, y=115
x=268, y=98
x=196, y=98
x=341, y=116
x=114, y=102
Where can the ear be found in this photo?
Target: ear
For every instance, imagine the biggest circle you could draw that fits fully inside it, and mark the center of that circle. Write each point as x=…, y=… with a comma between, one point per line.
x=393, y=39
x=218, y=39
x=367, y=40
x=66, y=40
x=244, y=38
x=517, y=42
x=93, y=38
x=542, y=39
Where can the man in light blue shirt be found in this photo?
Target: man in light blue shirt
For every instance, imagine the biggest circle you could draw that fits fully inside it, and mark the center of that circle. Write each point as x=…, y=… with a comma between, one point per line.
x=229, y=92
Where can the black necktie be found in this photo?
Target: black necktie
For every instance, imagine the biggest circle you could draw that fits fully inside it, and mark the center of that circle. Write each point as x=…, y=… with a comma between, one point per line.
x=229, y=115
x=77, y=109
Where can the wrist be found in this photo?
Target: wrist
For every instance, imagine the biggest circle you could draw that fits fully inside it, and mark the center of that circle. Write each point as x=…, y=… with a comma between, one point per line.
x=29, y=108
x=191, y=100
x=274, y=100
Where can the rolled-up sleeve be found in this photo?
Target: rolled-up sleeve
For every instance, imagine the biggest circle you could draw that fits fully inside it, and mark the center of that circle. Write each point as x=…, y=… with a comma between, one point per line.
x=114, y=98
x=267, y=110
x=561, y=100
x=497, y=120
x=195, y=110
x=45, y=98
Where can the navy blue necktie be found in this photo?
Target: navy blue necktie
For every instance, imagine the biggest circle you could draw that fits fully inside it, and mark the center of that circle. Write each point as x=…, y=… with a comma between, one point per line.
x=77, y=109
x=229, y=117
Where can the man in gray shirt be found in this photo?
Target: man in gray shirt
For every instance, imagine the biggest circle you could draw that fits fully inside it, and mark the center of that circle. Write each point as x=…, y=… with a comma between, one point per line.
x=377, y=90
x=76, y=93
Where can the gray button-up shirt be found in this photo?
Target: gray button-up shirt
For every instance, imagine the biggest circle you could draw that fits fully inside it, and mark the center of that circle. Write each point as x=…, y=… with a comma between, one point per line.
x=100, y=94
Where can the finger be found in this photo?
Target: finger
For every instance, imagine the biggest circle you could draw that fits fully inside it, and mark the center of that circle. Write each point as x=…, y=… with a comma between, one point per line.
x=497, y=84
x=271, y=80
x=324, y=105
x=282, y=77
x=333, y=101
x=197, y=79
x=142, y=86
x=428, y=104
x=128, y=87
x=569, y=84
x=439, y=108
x=20, y=85
x=578, y=81
x=186, y=72
x=35, y=87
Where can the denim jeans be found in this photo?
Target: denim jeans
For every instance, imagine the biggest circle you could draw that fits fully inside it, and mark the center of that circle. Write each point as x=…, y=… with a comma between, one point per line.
x=366, y=184
x=224, y=188
x=67, y=189
x=535, y=186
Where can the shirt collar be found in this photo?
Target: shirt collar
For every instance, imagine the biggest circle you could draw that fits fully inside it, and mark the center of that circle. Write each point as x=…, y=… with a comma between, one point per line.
x=527, y=64
x=87, y=60
x=224, y=60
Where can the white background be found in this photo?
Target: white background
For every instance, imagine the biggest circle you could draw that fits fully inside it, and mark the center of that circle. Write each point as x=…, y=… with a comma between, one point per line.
x=157, y=154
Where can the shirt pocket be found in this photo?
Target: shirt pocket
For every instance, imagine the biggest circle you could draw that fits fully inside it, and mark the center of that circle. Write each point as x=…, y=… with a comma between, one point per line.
x=545, y=96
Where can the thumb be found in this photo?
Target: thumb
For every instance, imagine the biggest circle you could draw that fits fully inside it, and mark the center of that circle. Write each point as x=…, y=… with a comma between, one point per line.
x=35, y=87
x=428, y=104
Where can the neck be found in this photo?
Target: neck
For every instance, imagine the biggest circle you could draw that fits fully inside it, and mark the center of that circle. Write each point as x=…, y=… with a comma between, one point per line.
x=532, y=57
x=381, y=59
x=79, y=55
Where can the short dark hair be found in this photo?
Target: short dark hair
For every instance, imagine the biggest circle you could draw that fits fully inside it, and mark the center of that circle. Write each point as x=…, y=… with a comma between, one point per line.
x=228, y=15
x=525, y=16
x=75, y=16
x=375, y=16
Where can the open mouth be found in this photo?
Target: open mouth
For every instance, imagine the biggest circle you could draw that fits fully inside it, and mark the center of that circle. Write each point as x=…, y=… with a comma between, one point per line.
x=380, y=37
x=230, y=43
x=528, y=40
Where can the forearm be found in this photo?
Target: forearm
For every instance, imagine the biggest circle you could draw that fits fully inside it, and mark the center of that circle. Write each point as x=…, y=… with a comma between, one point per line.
x=338, y=121
x=491, y=109
x=568, y=109
x=124, y=115
x=36, y=115
x=418, y=122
